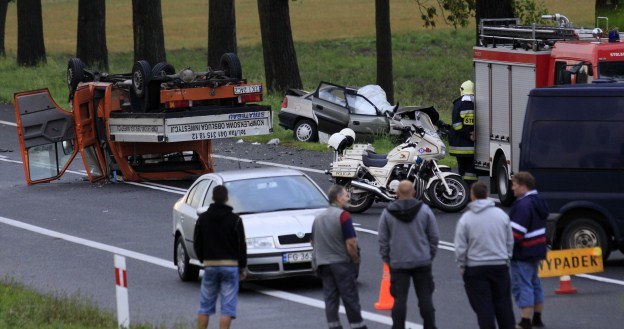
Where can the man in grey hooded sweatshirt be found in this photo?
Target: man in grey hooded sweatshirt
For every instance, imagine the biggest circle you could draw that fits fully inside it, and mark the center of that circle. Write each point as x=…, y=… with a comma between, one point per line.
x=408, y=241
x=483, y=246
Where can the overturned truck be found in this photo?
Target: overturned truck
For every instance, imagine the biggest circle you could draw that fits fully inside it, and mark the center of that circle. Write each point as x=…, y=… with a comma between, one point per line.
x=150, y=124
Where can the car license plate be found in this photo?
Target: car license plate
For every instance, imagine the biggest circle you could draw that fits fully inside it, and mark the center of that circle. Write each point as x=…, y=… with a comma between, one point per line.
x=247, y=89
x=297, y=257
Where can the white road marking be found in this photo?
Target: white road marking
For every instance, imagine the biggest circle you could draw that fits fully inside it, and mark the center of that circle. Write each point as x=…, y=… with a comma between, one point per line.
x=442, y=244
x=170, y=265
x=8, y=123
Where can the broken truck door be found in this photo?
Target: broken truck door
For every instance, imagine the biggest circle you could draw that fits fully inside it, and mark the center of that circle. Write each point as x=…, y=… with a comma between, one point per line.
x=47, y=136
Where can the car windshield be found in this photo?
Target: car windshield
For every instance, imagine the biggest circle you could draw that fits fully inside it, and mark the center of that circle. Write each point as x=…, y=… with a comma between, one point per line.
x=269, y=194
x=613, y=70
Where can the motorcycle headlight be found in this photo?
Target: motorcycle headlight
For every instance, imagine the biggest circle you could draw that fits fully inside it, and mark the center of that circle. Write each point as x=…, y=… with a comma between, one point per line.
x=260, y=243
x=443, y=150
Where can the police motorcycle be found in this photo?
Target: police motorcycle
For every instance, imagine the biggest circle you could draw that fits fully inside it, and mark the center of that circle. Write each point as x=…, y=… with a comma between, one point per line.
x=370, y=177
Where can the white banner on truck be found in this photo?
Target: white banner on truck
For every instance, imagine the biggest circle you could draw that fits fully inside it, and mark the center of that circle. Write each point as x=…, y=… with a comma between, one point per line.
x=191, y=128
x=218, y=126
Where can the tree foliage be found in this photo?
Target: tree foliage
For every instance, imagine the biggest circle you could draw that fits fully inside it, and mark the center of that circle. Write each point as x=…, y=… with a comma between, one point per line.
x=459, y=12
x=613, y=10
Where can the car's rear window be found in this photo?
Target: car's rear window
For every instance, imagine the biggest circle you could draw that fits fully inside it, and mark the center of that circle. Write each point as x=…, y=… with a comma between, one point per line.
x=274, y=193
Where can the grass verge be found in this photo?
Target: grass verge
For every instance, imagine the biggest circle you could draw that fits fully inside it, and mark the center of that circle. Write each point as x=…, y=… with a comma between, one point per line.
x=23, y=308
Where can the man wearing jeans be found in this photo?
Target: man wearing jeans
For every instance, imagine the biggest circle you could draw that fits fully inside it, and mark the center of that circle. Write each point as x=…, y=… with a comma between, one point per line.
x=528, y=220
x=219, y=242
x=408, y=241
x=337, y=257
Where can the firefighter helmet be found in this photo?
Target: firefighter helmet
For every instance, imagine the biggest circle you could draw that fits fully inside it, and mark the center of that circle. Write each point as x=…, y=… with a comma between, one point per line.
x=467, y=88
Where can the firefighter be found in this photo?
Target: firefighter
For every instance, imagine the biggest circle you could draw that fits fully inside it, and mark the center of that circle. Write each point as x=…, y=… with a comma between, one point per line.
x=461, y=139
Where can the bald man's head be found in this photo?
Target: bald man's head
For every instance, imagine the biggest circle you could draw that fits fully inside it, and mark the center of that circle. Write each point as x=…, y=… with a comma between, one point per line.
x=405, y=190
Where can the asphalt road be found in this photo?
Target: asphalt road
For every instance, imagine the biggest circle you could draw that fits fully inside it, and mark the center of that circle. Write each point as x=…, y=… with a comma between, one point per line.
x=60, y=238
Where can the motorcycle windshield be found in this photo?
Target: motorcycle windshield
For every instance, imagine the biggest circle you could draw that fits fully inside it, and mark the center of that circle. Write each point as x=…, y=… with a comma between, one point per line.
x=423, y=120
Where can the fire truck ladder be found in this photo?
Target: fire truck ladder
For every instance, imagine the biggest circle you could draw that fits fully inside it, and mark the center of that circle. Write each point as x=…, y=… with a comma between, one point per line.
x=508, y=31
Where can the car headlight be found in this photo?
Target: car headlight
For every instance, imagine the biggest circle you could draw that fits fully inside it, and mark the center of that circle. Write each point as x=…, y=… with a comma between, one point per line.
x=260, y=243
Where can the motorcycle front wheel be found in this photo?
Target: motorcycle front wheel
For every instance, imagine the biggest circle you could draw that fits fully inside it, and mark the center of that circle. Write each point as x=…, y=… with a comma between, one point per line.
x=359, y=201
x=456, y=201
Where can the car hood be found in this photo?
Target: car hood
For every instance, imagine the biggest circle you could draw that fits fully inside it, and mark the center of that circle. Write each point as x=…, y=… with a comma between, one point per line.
x=279, y=223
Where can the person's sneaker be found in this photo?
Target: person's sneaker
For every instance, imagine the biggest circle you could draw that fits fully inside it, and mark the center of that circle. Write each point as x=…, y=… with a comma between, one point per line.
x=538, y=323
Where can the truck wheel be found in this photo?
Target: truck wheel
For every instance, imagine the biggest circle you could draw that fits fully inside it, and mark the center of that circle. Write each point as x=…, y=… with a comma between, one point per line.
x=503, y=184
x=585, y=233
x=141, y=76
x=360, y=201
x=75, y=74
x=231, y=65
x=305, y=131
x=456, y=201
x=186, y=271
x=163, y=68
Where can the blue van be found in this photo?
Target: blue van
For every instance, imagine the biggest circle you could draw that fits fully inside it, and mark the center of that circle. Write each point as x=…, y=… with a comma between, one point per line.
x=573, y=143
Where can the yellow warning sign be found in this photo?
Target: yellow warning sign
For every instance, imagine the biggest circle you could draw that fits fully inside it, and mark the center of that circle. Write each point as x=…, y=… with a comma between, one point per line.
x=571, y=261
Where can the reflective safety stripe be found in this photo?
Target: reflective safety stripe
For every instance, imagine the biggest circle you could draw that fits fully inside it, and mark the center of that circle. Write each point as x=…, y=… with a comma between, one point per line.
x=466, y=113
x=458, y=126
x=357, y=325
x=461, y=150
x=334, y=325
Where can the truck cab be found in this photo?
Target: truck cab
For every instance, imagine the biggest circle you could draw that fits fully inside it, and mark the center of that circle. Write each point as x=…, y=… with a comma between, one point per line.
x=513, y=59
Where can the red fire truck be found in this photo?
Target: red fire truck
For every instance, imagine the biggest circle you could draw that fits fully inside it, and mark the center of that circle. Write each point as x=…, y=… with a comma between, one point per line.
x=151, y=124
x=513, y=59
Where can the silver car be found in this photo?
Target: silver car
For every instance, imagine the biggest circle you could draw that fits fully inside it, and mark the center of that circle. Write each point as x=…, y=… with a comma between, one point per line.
x=277, y=207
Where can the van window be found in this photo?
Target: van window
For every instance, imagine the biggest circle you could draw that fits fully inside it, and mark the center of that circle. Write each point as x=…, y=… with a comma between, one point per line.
x=577, y=145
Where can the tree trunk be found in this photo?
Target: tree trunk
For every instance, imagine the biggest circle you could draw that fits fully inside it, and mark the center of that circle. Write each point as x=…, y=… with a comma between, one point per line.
x=221, y=30
x=91, y=41
x=492, y=9
x=4, y=4
x=147, y=24
x=280, y=60
x=384, y=48
x=30, y=45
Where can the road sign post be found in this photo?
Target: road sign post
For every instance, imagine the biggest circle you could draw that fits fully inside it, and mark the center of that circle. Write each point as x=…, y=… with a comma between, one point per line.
x=121, y=283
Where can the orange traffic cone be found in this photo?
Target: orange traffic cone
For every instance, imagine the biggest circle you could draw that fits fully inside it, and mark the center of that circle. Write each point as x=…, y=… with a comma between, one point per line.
x=565, y=285
x=386, y=301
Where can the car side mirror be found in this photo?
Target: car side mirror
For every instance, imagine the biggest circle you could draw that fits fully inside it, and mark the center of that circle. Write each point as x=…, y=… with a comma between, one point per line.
x=68, y=147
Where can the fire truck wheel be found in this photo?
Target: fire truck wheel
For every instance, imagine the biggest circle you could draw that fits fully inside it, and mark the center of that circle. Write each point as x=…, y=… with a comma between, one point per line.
x=75, y=73
x=305, y=131
x=231, y=65
x=141, y=76
x=585, y=232
x=503, y=183
x=186, y=271
x=163, y=68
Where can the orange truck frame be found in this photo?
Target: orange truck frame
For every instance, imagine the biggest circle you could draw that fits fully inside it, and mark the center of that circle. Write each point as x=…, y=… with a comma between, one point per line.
x=152, y=124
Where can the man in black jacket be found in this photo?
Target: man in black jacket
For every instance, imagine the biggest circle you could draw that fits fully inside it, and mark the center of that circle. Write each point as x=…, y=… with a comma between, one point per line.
x=219, y=242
